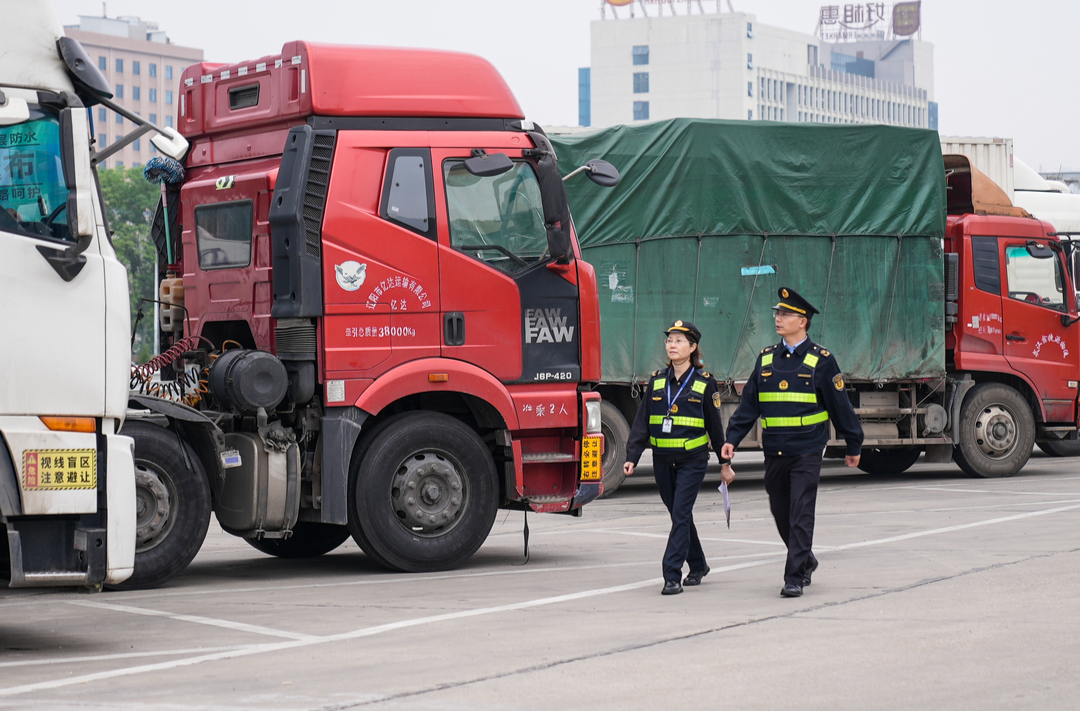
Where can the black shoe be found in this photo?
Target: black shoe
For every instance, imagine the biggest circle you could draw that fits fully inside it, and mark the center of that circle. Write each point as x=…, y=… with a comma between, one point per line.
x=671, y=587
x=791, y=590
x=694, y=576
x=810, y=568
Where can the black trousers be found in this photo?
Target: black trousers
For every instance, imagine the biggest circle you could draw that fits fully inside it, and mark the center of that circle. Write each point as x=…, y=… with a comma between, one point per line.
x=679, y=480
x=792, y=484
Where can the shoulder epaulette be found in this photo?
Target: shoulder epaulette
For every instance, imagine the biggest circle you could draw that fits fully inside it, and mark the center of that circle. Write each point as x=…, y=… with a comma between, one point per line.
x=705, y=374
x=656, y=372
x=824, y=352
x=766, y=349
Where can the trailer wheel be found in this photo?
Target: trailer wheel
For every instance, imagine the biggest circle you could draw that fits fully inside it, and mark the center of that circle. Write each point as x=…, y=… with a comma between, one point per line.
x=997, y=432
x=173, y=505
x=423, y=493
x=1061, y=447
x=616, y=433
x=309, y=539
x=884, y=462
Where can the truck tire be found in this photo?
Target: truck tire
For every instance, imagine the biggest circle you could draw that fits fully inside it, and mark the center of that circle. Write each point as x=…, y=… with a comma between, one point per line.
x=882, y=462
x=309, y=539
x=172, y=496
x=996, y=432
x=616, y=433
x=1061, y=447
x=423, y=493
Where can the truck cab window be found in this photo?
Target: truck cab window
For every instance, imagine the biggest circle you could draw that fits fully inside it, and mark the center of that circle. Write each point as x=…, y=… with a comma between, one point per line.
x=33, y=191
x=408, y=193
x=498, y=220
x=223, y=234
x=1036, y=281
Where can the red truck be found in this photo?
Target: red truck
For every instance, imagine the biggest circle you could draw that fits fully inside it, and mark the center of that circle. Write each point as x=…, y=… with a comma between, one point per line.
x=374, y=320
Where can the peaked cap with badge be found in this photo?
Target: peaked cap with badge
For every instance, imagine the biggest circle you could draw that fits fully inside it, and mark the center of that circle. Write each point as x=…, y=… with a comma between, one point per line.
x=687, y=329
x=792, y=302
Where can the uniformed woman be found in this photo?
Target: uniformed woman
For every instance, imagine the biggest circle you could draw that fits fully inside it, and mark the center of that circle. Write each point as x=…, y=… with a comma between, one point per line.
x=679, y=415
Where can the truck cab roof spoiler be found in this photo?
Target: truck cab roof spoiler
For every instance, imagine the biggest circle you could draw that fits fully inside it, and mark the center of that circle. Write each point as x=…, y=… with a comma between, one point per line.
x=970, y=192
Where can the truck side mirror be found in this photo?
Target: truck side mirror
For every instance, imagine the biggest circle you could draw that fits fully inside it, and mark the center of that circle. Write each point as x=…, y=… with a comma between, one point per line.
x=602, y=173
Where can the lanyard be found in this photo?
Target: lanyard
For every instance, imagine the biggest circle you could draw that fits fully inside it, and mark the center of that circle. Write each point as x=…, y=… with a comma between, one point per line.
x=667, y=388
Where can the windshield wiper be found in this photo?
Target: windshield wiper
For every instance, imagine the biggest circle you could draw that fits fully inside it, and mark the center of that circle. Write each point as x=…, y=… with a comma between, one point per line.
x=497, y=247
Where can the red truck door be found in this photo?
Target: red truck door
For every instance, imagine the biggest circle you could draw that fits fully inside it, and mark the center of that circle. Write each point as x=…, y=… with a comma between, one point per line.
x=1036, y=293
x=380, y=265
x=494, y=265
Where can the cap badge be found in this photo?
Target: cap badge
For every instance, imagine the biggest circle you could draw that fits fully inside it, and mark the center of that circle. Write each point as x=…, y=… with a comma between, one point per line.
x=786, y=293
x=678, y=323
x=783, y=385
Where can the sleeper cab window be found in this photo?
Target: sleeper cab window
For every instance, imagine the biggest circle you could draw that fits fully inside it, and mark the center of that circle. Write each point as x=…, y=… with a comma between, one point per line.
x=408, y=197
x=223, y=234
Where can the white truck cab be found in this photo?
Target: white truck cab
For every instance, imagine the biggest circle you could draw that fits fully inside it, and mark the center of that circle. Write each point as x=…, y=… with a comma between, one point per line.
x=67, y=478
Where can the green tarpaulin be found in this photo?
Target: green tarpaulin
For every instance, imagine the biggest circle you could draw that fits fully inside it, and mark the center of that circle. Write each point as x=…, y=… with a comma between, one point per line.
x=711, y=217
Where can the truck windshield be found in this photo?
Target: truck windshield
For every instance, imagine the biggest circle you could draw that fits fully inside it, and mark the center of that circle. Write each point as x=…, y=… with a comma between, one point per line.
x=498, y=220
x=33, y=192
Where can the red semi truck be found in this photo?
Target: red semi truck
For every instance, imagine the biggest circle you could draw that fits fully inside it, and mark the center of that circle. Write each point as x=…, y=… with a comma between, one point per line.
x=374, y=316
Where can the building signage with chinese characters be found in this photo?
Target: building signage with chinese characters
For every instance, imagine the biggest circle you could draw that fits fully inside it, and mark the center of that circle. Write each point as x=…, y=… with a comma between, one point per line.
x=868, y=21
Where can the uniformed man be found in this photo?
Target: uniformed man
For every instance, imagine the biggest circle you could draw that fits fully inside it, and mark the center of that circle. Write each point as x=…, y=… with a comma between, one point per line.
x=678, y=416
x=796, y=389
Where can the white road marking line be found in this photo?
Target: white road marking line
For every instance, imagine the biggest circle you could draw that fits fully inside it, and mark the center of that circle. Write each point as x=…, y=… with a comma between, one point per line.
x=238, y=626
x=125, y=655
x=958, y=527
x=619, y=532
x=998, y=491
x=463, y=614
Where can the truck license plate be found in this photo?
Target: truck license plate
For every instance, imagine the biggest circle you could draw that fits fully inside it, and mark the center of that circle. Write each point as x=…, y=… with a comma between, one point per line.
x=59, y=469
x=591, y=469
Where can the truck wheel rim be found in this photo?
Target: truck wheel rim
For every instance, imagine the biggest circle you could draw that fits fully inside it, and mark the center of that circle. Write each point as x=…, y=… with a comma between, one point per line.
x=153, y=505
x=428, y=494
x=996, y=431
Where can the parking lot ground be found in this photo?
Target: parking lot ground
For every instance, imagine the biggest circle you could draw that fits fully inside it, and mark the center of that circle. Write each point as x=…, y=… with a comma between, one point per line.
x=934, y=591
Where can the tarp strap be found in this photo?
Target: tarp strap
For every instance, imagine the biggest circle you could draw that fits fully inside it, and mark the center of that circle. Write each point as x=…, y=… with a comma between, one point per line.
x=680, y=443
x=828, y=284
x=749, y=304
x=637, y=298
x=698, y=422
x=892, y=300
x=772, y=422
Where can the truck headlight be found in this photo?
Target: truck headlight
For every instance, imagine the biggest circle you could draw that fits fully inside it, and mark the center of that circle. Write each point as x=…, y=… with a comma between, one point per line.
x=592, y=417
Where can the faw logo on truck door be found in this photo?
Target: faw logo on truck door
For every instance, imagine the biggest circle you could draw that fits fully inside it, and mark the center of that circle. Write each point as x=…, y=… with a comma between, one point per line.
x=549, y=325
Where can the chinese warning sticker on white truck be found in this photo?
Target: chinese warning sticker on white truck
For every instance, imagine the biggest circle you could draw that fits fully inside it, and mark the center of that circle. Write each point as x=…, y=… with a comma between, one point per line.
x=51, y=469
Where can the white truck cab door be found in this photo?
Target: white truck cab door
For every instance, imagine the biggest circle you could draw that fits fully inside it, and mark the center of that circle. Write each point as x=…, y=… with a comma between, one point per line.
x=53, y=340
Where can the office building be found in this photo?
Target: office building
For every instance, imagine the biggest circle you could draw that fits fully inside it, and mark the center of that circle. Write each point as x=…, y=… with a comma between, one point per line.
x=660, y=65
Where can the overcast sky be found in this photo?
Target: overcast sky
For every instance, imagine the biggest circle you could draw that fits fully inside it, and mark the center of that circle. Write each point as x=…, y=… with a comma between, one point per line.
x=1001, y=67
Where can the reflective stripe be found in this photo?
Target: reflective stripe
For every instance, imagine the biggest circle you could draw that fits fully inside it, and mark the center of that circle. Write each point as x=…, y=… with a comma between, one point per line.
x=814, y=419
x=788, y=397
x=658, y=384
x=810, y=360
x=698, y=386
x=679, y=443
x=766, y=360
x=680, y=421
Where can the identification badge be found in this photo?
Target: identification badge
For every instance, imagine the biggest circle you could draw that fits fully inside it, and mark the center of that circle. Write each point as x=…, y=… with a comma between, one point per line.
x=665, y=425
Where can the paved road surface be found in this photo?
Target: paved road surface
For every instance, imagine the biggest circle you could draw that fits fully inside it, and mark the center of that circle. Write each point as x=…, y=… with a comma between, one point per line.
x=935, y=591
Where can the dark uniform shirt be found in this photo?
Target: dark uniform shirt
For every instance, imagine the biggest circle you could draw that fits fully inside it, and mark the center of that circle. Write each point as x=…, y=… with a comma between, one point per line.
x=828, y=384
x=638, y=441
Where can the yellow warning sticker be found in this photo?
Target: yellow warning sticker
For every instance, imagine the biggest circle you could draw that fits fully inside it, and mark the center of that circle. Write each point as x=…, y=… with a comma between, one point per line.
x=58, y=469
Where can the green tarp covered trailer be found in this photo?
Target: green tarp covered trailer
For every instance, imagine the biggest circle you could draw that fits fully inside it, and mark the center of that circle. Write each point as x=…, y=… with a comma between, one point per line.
x=711, y=217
